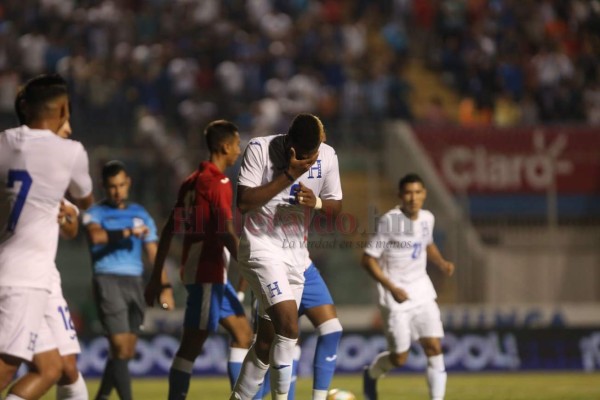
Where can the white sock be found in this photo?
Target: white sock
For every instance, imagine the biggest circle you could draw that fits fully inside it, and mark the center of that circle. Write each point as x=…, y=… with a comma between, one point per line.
x=74, y=391
x=380, y=365
x=14, y=397
x=319, y=394
x=251, y=377
x=281, y=359
x=436, y=377
x=237, y=354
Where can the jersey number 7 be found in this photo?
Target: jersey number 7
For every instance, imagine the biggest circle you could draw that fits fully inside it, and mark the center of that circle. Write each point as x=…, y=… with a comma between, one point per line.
x=417, y=247
x=18, y=175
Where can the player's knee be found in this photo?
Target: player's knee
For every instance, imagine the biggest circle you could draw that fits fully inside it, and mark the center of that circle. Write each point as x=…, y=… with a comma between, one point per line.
x=262, y=352
x=284, y=317
x=398, y=359
x=189, y=350
x=124, y=352
x=243, y=341
x=330, y=326
x=242, y=337
x=8, y=368
x=287, y=327
x=433, y=348
x=52, y=372
x=289, y=331
x=70, y=372
x=7, y=372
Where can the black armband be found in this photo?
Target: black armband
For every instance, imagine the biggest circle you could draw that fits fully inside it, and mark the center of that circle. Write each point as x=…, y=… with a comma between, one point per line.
x=115, y=235
x=165, y=286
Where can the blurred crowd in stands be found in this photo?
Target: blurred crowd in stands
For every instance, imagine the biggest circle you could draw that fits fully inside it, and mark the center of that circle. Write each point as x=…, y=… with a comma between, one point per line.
x=175, y=64
x=147, y=75
x=519, y=61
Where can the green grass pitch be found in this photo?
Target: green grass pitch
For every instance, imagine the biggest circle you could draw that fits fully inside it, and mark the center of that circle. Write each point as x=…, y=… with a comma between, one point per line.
x=514, y=386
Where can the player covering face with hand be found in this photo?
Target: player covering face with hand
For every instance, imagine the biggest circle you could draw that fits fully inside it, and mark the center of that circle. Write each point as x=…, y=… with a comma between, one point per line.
x=282, y=180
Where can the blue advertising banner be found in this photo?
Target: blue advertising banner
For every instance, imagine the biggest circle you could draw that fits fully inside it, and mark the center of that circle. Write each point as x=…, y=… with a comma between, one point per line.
x=469, y=351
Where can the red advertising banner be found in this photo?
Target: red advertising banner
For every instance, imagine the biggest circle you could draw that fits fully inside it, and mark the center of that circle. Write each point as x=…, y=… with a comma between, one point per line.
x=517, y=160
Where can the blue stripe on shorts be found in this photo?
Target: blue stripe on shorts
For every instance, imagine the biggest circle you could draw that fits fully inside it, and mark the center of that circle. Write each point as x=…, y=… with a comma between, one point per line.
x=231, y=304
x=203, y=306
x=315, y=291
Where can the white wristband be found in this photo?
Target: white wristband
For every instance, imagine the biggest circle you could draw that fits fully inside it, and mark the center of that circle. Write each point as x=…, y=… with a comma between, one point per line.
x=319, y=204
x=241, y=296
x=73, y=206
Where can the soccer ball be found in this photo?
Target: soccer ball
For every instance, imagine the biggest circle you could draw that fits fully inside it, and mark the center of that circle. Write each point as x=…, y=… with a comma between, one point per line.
x=339, y=394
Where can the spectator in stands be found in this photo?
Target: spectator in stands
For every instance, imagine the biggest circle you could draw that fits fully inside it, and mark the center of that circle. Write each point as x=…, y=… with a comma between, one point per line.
x=435, y=114
x=240, y=48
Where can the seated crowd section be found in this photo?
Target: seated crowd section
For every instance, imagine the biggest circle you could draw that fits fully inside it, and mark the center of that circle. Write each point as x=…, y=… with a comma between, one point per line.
x=258, y=62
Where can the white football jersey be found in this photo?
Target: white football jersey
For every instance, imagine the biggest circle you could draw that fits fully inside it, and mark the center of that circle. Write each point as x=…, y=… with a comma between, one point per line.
x=37, y=167
x=279, y=229
x=400, y=245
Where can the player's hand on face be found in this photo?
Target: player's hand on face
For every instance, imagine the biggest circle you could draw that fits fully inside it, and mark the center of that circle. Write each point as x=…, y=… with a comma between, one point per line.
x=305, y=196
x=448, y=268
x=298, y=167
x=399, y=294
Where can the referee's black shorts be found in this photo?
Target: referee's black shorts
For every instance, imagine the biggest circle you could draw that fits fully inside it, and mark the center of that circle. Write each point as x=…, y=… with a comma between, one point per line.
x=120, y=302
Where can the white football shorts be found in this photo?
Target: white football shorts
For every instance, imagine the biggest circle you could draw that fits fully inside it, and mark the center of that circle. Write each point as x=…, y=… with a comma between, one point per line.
x=401, y=328
x=58, y=331
x=21, y=318
x=272, y=282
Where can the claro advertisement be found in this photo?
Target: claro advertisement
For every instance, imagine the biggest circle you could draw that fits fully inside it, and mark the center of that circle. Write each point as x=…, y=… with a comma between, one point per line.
x=517, y=168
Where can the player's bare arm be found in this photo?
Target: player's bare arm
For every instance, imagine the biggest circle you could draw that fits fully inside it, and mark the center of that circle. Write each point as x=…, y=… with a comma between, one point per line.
x=434, y=255
x=250, y=198
x=230, y=238
x=159, y=280
x=306, y=197
x=85, y=202
x=241, y=287
x=165, y=297
x=374, y=269
x=67, y=219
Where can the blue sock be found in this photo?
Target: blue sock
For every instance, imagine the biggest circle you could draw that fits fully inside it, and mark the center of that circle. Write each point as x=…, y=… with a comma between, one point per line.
x=292, y=392
x=330, y=334
x=265, y=388
x=234, y=364
x=179, y=378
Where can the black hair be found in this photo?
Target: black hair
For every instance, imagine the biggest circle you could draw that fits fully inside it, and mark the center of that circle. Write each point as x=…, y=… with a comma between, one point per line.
x=410, y=178
x=305, y=132
x=36, y=93
x=19, y=102
x=112, y=168
x=217, y=132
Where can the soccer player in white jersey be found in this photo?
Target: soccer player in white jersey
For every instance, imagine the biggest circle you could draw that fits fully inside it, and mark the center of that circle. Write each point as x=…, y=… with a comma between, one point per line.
x=37, y=167
x=61, y=332
x=283, y=178
x=396, y=257
x=71, y=385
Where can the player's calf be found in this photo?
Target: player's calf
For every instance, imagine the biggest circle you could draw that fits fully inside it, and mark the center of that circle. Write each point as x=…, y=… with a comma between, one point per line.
x=330, y=334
